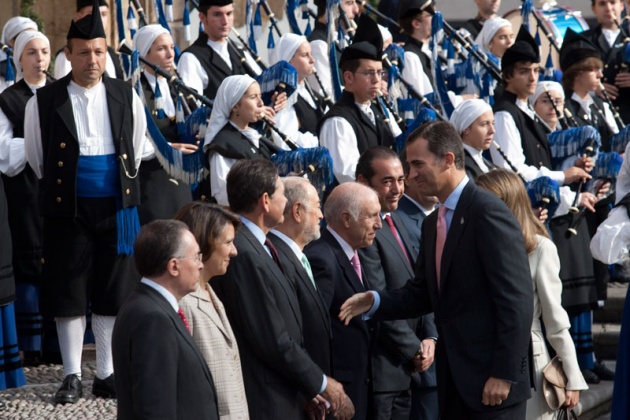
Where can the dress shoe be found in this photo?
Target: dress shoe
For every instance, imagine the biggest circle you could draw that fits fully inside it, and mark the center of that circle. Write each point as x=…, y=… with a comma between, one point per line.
x=70, y=391
x=590, y=377
x=104, y=388
x=603, y=372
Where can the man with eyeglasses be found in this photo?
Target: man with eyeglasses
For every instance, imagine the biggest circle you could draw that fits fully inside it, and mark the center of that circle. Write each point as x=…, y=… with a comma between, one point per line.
x=355, y=123
x=160, y=372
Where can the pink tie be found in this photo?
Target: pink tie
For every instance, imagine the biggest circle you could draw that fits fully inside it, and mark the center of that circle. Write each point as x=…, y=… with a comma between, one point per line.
x=356, y=264
x=183, y=317
x=390, y=223
x=439, y=240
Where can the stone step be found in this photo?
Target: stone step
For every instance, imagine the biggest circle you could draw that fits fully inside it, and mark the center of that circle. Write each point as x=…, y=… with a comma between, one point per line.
x=596, y=401
x=605, y=340
x=613, y=308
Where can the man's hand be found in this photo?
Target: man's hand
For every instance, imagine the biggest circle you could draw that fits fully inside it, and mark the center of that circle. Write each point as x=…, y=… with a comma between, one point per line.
x=269, y=112
x=541, y=214
x=355, y=305
x=334, y=394
x=346, y=411
x=602, y=187
x=584, y=162
x=495, y=391
x=574, y=174
x=279, y=101
x=588, y=200
x=622, y=80
x=316, y=408
x=611, y=90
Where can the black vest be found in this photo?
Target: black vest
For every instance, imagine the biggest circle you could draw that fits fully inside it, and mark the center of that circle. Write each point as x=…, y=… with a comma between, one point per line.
x=60, y=145
x=214, y=66
x=308, y=116
x=13, y=103
x=414, y=46
x=167, y=126
x=367, y=134
x=232, y=144
x=318, y=33
x=598, y=119
x=533, y=135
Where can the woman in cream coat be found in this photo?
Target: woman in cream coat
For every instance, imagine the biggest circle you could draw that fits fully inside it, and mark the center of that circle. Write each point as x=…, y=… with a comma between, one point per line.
x=213, y=228
x=545, y=268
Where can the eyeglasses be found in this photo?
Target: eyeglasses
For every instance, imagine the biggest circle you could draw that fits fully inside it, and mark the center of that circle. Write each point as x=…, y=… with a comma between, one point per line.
x=381, y=74
x=197, y=257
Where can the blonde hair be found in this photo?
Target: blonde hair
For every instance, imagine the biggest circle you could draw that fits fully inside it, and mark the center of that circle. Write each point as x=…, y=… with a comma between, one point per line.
x=508, y=187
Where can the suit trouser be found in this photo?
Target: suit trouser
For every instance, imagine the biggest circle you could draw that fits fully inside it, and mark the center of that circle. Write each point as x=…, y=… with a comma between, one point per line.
x=395, y=405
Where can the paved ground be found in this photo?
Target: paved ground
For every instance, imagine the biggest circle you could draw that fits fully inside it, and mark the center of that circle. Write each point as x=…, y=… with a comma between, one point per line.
x=34, y=401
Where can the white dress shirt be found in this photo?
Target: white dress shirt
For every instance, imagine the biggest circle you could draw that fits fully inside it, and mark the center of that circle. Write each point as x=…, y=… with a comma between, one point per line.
x=91, y=116
x=339, y=137
x=162, y=290
x=585, y=104
x=611, y=36
x=477, y=157
x=12, y=155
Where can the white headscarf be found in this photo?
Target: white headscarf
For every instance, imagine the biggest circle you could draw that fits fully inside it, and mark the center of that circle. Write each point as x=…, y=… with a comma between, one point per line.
x=230, y=91
x=14, y=26
x=385, y=33
x=489, y=30
x=467, y=112
x=20, y=44
x=146, y=36
x=540, y=90
x=286, y=47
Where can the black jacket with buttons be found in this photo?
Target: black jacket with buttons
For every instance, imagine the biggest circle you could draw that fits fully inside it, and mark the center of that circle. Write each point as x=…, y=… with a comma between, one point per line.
x=60, y=145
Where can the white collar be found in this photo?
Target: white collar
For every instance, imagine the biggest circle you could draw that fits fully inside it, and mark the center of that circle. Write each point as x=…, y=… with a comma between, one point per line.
x=163, y=291
x=347, y=249
x=290, y=242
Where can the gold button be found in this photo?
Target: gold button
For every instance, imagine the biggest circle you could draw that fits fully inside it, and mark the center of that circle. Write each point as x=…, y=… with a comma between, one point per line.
x=60, y=164
x=203, y=197
x=605, y=66
x=42, y=260
x=62, y=145
x=540, y=164
x=127, y=191
x=124, y=156
x=58, y=181
x=58, y=199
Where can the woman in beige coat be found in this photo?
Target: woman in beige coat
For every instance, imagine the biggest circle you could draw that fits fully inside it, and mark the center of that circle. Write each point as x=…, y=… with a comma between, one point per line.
x=214, y=229
x=545, y=268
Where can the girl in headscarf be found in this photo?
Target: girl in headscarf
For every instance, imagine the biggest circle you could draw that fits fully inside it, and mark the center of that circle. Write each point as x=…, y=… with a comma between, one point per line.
x=14, y=26
x=162, y=195
x=544, y=107
x=31, y=57
x=229, y=137
x=304, y=108
x=496, y=36
x=474, y=121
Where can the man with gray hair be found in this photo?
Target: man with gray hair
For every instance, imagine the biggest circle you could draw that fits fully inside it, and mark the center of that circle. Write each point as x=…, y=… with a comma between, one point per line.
x=352, y=214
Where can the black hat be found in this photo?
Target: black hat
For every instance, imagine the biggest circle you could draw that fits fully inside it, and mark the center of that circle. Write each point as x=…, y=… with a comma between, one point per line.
x=88, y=27
x=219, y=3
x=367, y=42
x=575, y=48
x=85, y=3
x=524, y=49
x=409, y=8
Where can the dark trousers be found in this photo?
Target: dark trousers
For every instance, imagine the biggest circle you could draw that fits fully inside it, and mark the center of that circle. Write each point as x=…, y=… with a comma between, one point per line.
x=395, y=405
x=424, y=403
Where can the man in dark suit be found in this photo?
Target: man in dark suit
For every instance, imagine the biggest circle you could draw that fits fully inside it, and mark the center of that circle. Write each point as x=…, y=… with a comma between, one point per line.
x=160, y=372
x=262, y=306
x=398, y=352
x=473, y=272
x=352, y=217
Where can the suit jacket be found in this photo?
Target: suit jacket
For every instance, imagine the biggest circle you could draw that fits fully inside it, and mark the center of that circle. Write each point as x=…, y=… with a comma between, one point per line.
x=352, y=345
x=213, y=335
x=397, y=341
x=472, y=169
x=264, y=312
x=411, y=217
x=160, y=373
x=316, y=329
x=483, y=308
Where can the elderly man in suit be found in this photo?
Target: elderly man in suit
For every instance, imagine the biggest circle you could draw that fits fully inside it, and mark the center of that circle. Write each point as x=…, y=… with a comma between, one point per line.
x=352, y=217
x=160, y=371
x=472, y=271
x=262, y=306
x=399, y=351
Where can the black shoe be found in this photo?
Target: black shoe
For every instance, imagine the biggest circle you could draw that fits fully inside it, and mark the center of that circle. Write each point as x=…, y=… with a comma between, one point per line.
x=590, y=377
x=603, y=372
x=104, y=388
x=70, y=391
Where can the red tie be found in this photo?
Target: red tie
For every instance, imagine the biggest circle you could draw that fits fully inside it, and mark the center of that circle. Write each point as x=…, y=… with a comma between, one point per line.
x=183, y=317
x=440, y=240
x=274, y=253
x=390, y=223
x=356, y=264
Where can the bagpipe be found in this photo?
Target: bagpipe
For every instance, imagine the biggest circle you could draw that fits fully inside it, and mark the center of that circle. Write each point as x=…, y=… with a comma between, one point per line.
x=9, y=73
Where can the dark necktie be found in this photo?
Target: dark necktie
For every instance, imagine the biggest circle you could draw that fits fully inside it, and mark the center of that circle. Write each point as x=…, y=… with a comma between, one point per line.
x=390, y=223
x=183, y=317
x=274, y=253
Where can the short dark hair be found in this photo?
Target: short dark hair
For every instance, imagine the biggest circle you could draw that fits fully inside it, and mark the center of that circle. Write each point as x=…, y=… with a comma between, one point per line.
x=206, y=221
x=350, y=65
x=364, y=165
x=442, y=138
x=507, y=72
x=156, y=243
x=247, y=181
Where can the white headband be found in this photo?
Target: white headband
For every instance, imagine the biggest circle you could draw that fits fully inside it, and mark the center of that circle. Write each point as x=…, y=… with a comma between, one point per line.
x=20, y=44
x=146, y=36
x=14, y=26
x=467, y=112
x=230, y=91
x=540, y=89
x=489, y=30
